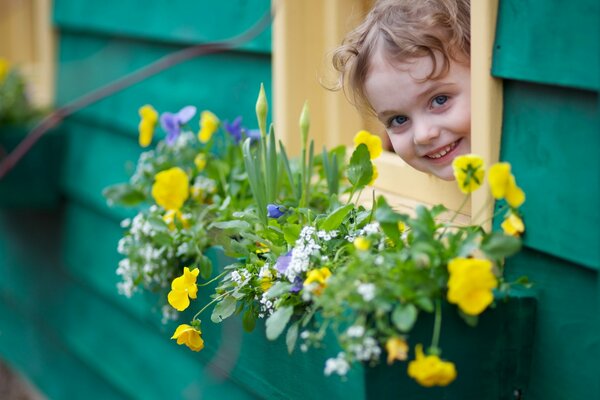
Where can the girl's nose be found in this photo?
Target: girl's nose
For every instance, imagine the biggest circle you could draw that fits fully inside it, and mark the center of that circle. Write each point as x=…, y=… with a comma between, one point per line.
x=425, y=133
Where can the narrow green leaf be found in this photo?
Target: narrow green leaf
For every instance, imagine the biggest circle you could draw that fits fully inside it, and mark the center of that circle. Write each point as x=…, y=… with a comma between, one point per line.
x=288, y=170
x=292, y=336
x=123, y=194
x=278, y=289
x=277, y=321
x=248, y=320
x=237, y=225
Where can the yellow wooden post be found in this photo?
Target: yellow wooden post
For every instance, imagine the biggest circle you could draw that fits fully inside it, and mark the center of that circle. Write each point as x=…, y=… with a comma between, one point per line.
x=486, y=100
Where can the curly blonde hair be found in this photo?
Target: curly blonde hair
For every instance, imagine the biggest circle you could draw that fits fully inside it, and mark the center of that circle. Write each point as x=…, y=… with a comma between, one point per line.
x=406, y=29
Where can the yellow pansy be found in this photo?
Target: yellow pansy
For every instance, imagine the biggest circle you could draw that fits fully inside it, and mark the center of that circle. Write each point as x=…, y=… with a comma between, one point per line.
x=190, y=336
x=4, y=68
x=503, y=185
x=148, y=121
x=401, y=226
x=318, y=276
x=200, y=161
x=183, y=288
x=469, y=172
x=430, y=370
x=170, y=217
x=373, y=143
x=362, y=243
x=375, y=174
x=266, y=283
x=396, y=349
x=171, y=188
x=471, y=283
x=209, y=123
x=513, y=225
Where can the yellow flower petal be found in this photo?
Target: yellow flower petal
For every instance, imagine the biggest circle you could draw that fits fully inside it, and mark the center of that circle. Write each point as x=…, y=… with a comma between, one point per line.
x=397, y=349
x=171, y=188
x=513, y=225
x=200, y=161
x=189, y=336
x=183, y=288
x=503, y=185
x=375, y=174
x=4, y=68
x=430, y=370
x=209, y=123
x=471, y=283
x=178, y=299
x=373, y=143
x=361, y=243
x=469, y=172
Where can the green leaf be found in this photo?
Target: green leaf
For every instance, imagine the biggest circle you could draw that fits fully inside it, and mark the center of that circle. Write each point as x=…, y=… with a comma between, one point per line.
x=123, y=194
x=425, y=304
x=291, y=337
x=237, y=225
x=278, y=289
x=335, y=218
x=404, y=316
x=158, y=224
x=205, y=266
x=277, y=321
x=360, y=169
x=291, y=233
x=249, y=320
x=223, y=309
x=162, y=239
x=497, y=245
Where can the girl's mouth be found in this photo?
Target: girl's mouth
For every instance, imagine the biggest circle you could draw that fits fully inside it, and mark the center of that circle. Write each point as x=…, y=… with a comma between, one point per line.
x=444, y=153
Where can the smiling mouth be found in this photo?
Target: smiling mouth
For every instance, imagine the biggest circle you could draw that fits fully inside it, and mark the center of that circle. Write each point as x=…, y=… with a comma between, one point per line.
x=443, y=151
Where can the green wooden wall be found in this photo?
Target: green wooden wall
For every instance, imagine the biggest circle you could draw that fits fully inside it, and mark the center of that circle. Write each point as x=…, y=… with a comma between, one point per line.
x=63, y=324
x=548, y=54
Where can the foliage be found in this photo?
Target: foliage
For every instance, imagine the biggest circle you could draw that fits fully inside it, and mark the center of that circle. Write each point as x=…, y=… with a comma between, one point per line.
x=310, y=258
x=15, y=105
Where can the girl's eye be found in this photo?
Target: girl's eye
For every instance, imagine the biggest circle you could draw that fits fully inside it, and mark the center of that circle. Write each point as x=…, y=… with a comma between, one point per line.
x=397, y=120
x=439, y=100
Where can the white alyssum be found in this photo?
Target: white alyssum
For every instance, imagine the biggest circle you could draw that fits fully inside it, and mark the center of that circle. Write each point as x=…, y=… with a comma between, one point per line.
x=367, y=291
x=337, y=365
x=367, y=350
x=355, y=331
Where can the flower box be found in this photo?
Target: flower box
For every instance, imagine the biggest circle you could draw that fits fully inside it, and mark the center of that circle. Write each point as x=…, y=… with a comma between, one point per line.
x=492, y=360
x=34, y=180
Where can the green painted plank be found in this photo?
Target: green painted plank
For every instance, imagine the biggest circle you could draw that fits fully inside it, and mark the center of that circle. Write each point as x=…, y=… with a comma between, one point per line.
x=40, y=356
x=566, y=349
x=181, y=21
x=550, y=135
x=135, y=357
x=34, y=180
x=547, y=41
x=226, y=83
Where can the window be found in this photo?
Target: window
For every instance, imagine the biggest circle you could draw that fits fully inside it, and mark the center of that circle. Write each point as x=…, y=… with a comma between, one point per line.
x=303, y=34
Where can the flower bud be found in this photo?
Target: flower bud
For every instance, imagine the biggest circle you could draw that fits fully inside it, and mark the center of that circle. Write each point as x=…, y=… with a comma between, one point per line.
x=262, y=109
x=275, y=211
x=304, y=123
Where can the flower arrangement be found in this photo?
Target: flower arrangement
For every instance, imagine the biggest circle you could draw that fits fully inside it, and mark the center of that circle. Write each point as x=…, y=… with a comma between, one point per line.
x=15, y=105
x=309, y=257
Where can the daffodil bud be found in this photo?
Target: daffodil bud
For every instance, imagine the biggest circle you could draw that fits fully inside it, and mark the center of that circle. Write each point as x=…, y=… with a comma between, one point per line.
x=304, y=123
x=262, y=108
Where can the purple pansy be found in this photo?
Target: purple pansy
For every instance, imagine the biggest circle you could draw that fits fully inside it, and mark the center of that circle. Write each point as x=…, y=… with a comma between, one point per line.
x=297, y=286
x=275, y=211
x=171, y=123
x=234, y=129
x=283, y=262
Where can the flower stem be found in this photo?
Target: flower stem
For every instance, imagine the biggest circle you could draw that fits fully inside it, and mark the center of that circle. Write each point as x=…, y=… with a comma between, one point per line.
x=213, y=279
x=209, y=304
x=437, y=325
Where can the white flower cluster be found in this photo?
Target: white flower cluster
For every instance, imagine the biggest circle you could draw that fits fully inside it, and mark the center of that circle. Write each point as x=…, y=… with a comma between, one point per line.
x=202, y=186
x=339, y=365
x=144, y=167
x=307, y=246
x=355, y=331
x=183, y=141
x=369, y=229
x=241, y=277
x=267, y=307
x=366, y=290
x=367, y=350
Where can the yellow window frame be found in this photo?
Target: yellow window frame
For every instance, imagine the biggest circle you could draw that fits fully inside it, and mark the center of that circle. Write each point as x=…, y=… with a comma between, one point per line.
x=304, y=32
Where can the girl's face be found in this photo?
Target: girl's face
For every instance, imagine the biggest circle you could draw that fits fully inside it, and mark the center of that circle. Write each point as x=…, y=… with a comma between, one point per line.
x=428, y=121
